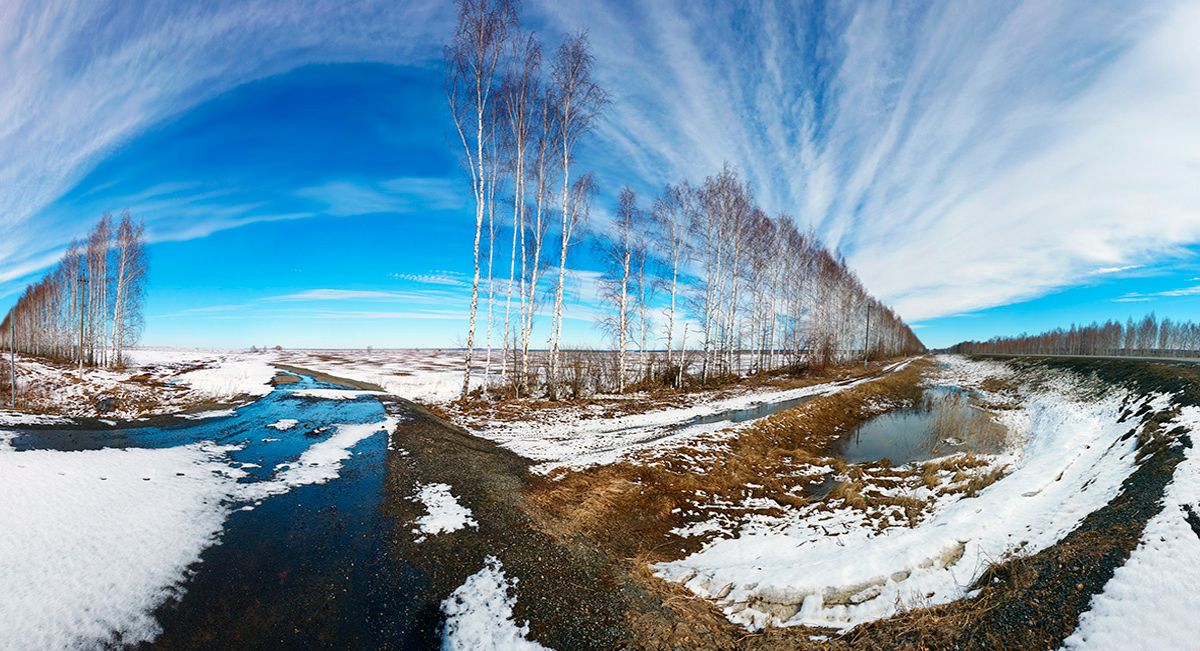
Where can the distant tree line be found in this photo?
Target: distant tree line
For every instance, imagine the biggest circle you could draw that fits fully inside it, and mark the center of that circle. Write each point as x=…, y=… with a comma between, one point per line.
x=1147, y=337
x=88, y=308
x=755, y=285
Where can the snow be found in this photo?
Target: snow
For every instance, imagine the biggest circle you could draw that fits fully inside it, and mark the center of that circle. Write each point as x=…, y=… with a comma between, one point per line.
x=417, y=374
x=284, y=424
x=479, y=614
x=1151, y=602
x=91, y=542
x=571, y=440
x=1073, y=462
x=444, y=513
x=231, y=375
x=18, y=419
x=212, y=413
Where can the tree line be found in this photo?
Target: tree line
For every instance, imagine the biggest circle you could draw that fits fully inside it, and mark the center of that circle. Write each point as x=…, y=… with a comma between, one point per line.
x=755, y=285
x=1146, y=337
x=88, y=308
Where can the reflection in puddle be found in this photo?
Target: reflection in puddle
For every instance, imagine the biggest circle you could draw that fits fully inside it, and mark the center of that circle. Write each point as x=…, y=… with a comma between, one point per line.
x=944, y=422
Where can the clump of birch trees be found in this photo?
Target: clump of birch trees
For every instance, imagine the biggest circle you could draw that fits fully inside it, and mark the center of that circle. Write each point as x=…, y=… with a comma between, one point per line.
x=88, y=308
x=753, y=292
x=519, y=122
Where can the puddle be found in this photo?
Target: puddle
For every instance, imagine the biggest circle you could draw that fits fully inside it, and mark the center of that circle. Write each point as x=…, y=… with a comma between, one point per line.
x=924, y=432
x=753, y=412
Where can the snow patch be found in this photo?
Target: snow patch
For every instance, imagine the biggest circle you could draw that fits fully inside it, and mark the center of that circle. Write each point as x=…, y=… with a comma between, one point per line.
x=232, y=375
x=92, y=541
x=318, y=464
x=479, y=614
x=215, y=413
x=445, y=514
x=18, y=419
x=333, y=394
x=284, y=424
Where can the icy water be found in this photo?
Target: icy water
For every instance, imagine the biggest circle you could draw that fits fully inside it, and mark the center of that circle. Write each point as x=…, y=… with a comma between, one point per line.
x=311, y=565
x=901, y=436
x=753, y=412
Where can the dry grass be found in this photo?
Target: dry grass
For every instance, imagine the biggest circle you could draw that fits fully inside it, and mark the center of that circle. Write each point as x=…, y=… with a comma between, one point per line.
x=632, y=506
x=958, y=423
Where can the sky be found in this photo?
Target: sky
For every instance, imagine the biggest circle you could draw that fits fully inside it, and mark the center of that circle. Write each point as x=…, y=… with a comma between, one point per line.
x=987, y=168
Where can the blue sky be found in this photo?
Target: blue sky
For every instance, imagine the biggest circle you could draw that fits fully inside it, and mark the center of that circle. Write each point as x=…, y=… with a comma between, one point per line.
x=988, y=168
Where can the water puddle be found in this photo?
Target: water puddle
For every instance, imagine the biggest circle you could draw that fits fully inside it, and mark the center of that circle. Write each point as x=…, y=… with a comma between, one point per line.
x=753, y=412
x=942, y=423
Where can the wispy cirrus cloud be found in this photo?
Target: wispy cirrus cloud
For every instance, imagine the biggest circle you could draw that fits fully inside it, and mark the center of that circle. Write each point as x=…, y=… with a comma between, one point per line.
x=963, y=155
x=1137, y=297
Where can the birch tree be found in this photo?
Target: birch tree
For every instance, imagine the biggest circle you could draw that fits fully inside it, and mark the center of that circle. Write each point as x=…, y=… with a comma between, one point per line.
x=617, y=249
x=470, y=61
x=579, y=101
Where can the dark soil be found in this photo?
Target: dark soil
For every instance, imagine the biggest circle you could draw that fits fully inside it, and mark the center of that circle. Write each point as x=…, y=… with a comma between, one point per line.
x=573, y=594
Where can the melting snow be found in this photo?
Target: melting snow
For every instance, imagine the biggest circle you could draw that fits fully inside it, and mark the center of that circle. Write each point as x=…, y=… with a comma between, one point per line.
x=479, y=614
x=1073, y=463
x=445, y=514
x=1152, y=601
x=91, y=542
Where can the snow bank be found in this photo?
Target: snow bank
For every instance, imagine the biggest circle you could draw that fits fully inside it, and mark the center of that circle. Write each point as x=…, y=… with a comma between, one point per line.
x=445, y=514
x=479, y=614
x=232, y=375
x=18, y=419
x=1152, y=601
x=91, y=542
x=1073, y=463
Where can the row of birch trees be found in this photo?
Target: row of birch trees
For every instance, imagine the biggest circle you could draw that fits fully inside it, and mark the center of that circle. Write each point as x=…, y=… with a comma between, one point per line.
x=88, y=308
x=764, y=293
x=1145, y=337
x=708, y=257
